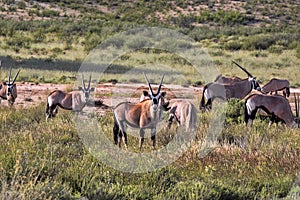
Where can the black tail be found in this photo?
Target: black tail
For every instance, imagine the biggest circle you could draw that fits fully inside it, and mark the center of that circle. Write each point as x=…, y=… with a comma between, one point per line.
x=116, y=130
x=288, y=92
x=202, y=102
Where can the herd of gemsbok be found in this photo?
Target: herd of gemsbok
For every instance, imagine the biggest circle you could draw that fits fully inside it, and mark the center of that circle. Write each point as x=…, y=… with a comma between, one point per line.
x=147, y=113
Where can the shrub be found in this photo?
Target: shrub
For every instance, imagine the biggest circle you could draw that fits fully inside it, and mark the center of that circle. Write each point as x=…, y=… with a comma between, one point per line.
x=49, y=13
x=233, y=45
x=91, y=41
x=234, y=111
x=275, y=49
x=258, y=42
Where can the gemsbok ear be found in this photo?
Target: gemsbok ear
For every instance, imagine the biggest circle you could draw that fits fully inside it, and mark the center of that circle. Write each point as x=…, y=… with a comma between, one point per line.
x=163, y=94
x=79, y=88
x=145, y=93
x=92, y=89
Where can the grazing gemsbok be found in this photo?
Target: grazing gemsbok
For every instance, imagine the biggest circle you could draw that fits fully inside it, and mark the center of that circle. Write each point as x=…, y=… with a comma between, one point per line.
x=8, y=90
x=227, y=80
x=276, y=106
x=275, y=85
x=143, y=115
x=185, y=114
x=70, y=101
x=237, y=90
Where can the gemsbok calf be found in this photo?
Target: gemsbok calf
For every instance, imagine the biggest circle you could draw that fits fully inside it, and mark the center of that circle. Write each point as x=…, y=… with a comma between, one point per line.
x=8, y=91
x=276, y=106
x=185, y=114
x=275, y=85
x=143, y=115
x=74, y=100
x=237, y=90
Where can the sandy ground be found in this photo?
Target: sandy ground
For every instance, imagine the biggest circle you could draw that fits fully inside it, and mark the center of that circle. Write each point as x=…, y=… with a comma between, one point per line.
x=31, y=94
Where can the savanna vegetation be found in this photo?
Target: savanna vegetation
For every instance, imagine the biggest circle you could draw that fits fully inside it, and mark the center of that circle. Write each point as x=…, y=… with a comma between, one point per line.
x=49, y=40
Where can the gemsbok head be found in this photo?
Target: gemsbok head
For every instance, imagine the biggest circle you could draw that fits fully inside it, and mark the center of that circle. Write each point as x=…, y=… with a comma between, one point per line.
x=238, y=90
x=69, y=101
x=185, y=114
x=276, y=106
x=143, y=115
x=275, y=85
x=8, y=90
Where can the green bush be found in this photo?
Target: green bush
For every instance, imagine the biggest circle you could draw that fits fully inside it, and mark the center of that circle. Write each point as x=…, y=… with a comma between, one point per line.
x=233, y=45
x=234, y=111
x=276, y=49
x=48, y=13
x=258, y=42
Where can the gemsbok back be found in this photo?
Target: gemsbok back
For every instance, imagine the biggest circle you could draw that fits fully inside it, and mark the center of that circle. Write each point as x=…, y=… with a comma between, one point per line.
x=275, y=85
x=8, y=91
x=69, y=101
x=227, y=80
x=238, y=90
x=276, y=106
x=185, y=114
x=143, y=115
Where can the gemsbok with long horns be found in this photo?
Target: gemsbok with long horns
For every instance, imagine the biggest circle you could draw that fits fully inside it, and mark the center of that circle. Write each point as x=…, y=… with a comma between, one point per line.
x=143, y=115
x=185, y=114
x=276, y=106
x=8, y=91
x=74, y=100
x=275, y=85
x=237, y=90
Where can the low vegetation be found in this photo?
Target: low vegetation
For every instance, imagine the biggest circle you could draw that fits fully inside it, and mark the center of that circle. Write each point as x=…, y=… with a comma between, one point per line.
x=42, y=160
x=49, y=40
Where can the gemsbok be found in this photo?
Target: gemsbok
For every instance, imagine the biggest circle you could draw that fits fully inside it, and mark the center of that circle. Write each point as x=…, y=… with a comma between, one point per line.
x=143, y=115
x=276, y=106
x=74, y=100
x=275, y=85
x=8, y=91
x=227, y=80
x=238, y=90
x=185, y=114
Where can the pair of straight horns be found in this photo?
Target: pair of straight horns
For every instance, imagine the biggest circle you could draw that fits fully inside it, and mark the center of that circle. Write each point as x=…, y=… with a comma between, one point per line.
x=9, y=75
x=149, y=85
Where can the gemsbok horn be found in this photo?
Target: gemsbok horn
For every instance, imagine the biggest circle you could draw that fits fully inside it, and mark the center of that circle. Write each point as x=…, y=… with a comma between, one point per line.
x=237, y=90
x=275, y=85
x=142, y=115
x=8, y=90
x=185, y=114
x=69, y=101
x=277, y=107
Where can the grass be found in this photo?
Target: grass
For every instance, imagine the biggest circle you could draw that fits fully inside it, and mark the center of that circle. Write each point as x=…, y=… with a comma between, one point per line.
x=48, y=160
x=127, y=69
x=49, y=42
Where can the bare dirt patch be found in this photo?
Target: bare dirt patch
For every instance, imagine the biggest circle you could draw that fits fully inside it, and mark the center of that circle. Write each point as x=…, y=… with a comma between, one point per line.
x=31, y=94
